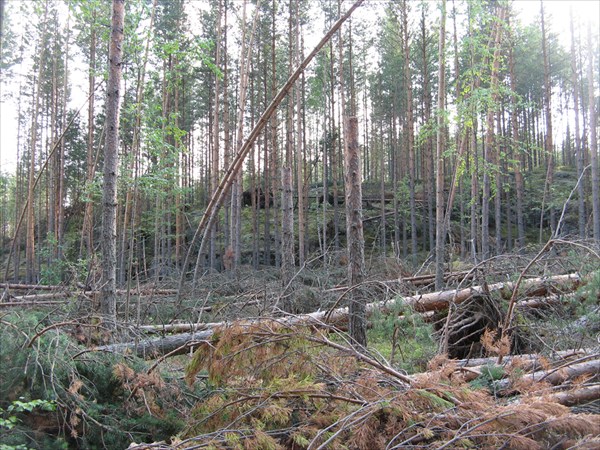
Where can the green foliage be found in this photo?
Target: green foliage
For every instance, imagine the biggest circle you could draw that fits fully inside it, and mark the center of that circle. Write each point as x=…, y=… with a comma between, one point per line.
x=405, y=331
x=489, y=374
x=96, y=393
x=8, y=418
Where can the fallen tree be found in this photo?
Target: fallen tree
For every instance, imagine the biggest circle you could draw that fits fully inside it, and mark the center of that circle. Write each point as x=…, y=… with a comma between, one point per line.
x=557, y=375
x=529, y=361
x=182, y=343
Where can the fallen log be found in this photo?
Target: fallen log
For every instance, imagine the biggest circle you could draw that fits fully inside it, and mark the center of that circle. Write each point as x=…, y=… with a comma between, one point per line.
x=30, y=287
x=67, y=294
x=558, y=375
x=534, y=287
x=30, y=303
x=152, y=348
x=33, y=297
x=527, y=359
x=577, y=396
x=419, y=280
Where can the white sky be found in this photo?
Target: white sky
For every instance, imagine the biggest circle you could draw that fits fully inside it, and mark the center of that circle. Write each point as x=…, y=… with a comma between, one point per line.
x=557, y=10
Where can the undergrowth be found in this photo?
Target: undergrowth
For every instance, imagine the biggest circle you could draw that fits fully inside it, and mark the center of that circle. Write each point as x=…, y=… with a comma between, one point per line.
x=101, y=400
x=403, y=337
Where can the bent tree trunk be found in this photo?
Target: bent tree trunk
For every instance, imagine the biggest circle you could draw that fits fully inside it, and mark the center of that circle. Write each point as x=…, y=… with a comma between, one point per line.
x=218, y=196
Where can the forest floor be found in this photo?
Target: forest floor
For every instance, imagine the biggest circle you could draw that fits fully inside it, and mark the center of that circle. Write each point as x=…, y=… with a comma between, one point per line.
x=506, y=356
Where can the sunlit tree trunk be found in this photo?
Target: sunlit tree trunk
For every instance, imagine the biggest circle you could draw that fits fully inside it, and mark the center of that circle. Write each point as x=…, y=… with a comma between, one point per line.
x=108, y=302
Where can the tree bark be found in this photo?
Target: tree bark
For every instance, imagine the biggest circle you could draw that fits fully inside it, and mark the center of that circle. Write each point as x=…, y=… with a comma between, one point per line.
x=490, y=146
x=593, y=139
x=548, y=142
x=108, y=304
x=287, y=200
x=354, y=233
x=31, y=273
x=517, y=152
x=578, y=148
x=87, y=242
x=440, y=233
x=410, y=135
x=299, y=146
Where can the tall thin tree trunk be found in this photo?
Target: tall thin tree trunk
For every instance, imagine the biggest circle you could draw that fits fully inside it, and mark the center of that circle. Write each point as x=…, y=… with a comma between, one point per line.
x=548, y=142
x=275, y=161
x=410, y=136
x=489, y=147
x=299, y=145
x=131, y=211
x=499, y=190
x=108, y=302
x=60, y=187
x=517, y=152
x=427, y=151
x=31, y=274
x=87, y=232
x=440, y=233
x=287, y=202
x=354, y=234
x=549, y=133
x=593, y=139
x=214, y=171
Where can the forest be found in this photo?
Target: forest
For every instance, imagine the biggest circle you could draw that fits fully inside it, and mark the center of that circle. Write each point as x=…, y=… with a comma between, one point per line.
x=299, y=224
